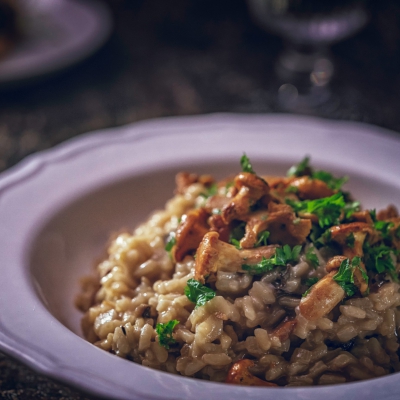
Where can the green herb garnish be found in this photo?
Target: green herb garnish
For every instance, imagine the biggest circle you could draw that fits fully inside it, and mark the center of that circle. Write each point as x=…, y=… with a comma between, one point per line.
x=310, y=282
x=345, y=276
x=350, y=239
x=332, y=182
x=262, y=239
x=171, y=241
x=350, y=208
x=300, y=169
x=384, y=228
x=164, y=332
x=380, y=259
x=303, y=168
x=210, y=191
x=198, y=293
x=327, y=209
x=245, y=164
x=312, y=258
x=237, y=234
x=283, y=256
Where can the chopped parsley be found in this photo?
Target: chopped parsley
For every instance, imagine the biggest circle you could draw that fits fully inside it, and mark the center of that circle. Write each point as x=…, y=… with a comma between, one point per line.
x=283, y=256
x=210, y=191
x=171, y=241
x=384, y=228
x=164, y=332
x=332, y=182
x=350, y=239
x=312, y=258
x=237, y=234
x=300, y=169
x=345, y=276
x=327, y=209
x=397, y=233
x=262, y=239
x=303, y=168
x=350, y=208
x=246, y=165
x=198, y=293
x=310, y=282
x=380, y=259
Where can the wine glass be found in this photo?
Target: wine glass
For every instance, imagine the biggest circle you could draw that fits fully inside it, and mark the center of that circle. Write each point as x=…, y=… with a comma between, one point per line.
x=304, y=68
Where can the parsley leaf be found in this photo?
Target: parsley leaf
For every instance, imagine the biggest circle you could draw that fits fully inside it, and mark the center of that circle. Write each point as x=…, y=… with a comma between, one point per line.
x=262, y=239
x=327, y=209
x=380, y=260
x=350, y=208
x=310, y=282
x=303, y=168
x=283, y=256
x=384, y=228
x=345, y=276
x=198, y=293
x=300, y=169
x=210, y=191
x=350, y=239
x=236, y=234
x=312, y=258
x=171, y=241
x=245, y=164
x=332, y=182
x=164, y=332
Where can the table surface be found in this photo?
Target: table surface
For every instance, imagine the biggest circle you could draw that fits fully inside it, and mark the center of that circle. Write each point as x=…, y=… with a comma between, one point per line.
x=181, y=58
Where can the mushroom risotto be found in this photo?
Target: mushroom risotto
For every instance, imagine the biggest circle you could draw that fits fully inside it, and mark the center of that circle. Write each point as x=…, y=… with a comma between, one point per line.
x=254, y=280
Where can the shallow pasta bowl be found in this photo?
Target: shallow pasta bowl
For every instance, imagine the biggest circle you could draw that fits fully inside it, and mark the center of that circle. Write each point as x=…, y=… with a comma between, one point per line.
x=58, y=208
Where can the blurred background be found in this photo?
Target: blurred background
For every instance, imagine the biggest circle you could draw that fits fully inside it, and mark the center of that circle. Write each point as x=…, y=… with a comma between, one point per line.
x=168, y=58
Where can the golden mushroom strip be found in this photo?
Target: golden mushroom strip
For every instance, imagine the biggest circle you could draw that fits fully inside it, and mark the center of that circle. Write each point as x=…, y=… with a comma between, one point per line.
x=184, y=179
x=251, y=188
x=239, y=374
x=351, y=238
x=190, y=232
x=281, y=222
x=322, y=298
x=215, y=255
x=309, y=188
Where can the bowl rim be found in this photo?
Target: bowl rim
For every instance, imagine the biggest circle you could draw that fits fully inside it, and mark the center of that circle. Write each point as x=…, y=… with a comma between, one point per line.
x=83, y=369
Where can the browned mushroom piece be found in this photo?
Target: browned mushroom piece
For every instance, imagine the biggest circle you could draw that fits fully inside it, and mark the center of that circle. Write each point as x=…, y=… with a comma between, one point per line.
x=251, y=188
x=190, y=232
x=281, y=222
x=362, y=216
x=395, y=231
x=334, y=263
x=284, y=329
x=389, y=212
x=310, y=189
x=217, y=224
x=351, y=238
x=239, y=374
x=184, y=179
x=322, y=298
x=215, y=255
x=216, y=202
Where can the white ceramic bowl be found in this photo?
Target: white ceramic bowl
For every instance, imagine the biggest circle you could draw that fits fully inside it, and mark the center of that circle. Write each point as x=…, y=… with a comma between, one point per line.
x=57, y=209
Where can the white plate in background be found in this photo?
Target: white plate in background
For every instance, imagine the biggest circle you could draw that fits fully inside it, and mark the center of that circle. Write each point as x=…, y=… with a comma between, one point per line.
x=56, y=35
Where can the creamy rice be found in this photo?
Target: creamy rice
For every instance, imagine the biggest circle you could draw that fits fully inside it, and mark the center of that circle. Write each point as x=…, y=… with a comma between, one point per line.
x=274, y=327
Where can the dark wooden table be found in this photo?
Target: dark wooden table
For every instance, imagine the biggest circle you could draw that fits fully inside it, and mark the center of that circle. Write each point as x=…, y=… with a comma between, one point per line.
x=178, y=58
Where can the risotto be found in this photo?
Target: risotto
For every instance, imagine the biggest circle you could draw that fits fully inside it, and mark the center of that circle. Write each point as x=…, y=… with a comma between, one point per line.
x=254, y=280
